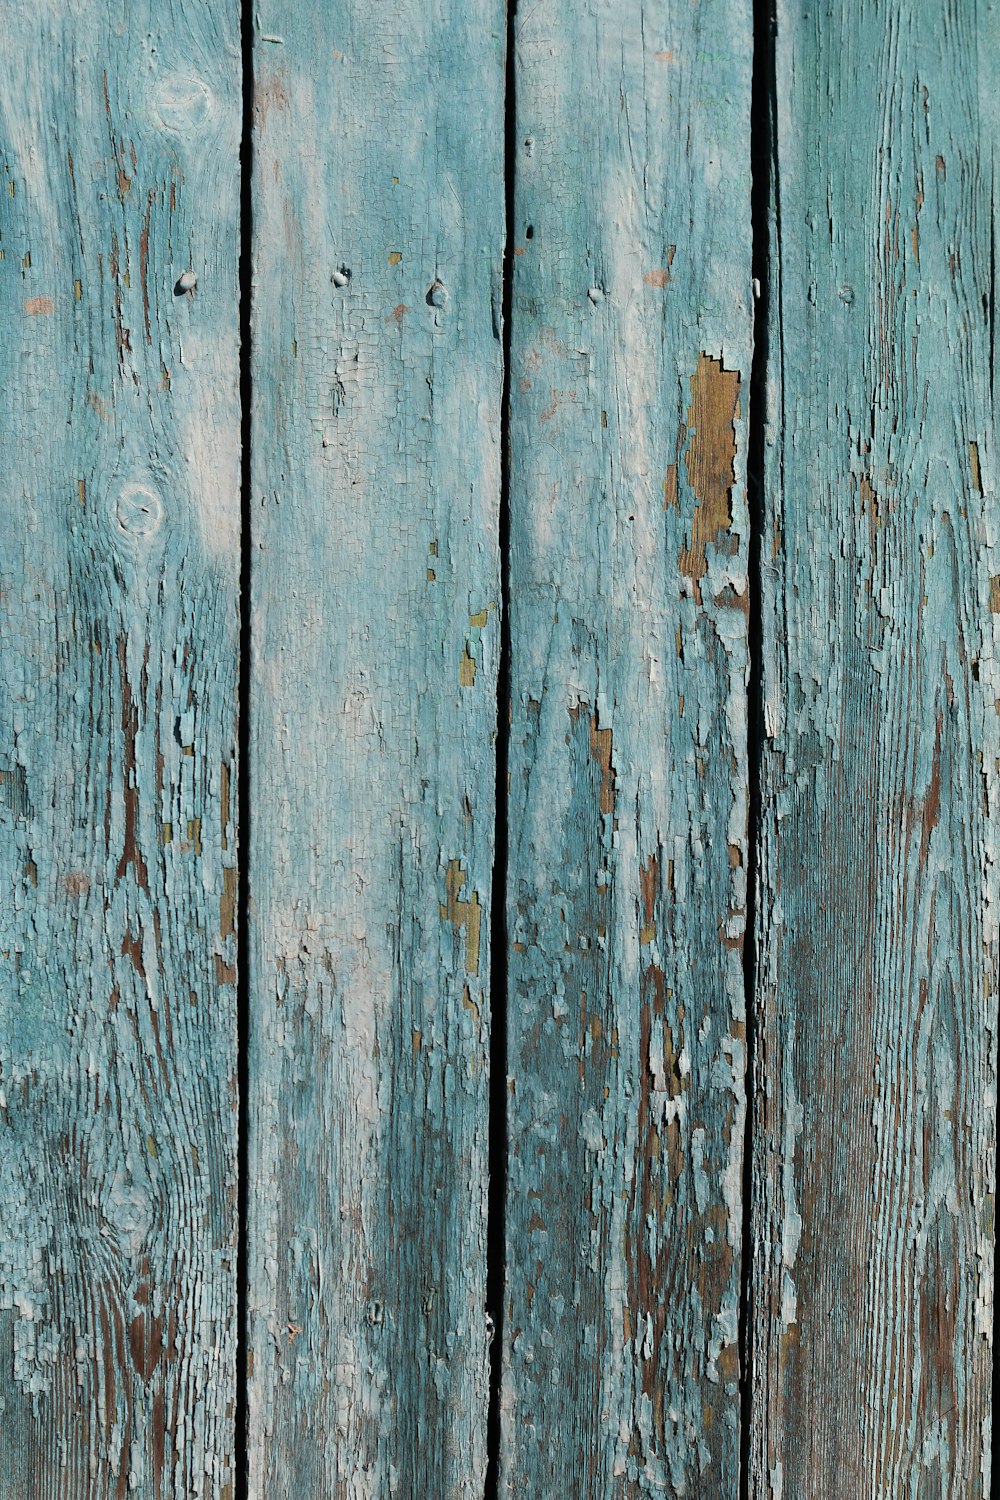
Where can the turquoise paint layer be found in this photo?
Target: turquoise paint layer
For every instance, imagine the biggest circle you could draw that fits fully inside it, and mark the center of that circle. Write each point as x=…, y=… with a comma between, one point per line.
x=631, y=353
x=378, y=217
x=119, y=541
x=878, y=945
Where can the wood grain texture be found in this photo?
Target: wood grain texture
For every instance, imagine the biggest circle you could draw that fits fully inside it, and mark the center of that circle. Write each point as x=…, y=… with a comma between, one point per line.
x=119, y=561
x=878, y=944
x=631, y=341
x=378, y=214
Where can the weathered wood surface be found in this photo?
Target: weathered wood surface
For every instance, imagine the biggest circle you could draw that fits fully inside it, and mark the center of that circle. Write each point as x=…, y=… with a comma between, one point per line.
x=631, y=340
x=119, y=563
x=378, y=237
x=878, y=950
x=378, y=209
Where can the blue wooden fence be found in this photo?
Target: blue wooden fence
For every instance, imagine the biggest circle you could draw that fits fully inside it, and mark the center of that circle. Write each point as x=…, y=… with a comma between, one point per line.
x=499, y=749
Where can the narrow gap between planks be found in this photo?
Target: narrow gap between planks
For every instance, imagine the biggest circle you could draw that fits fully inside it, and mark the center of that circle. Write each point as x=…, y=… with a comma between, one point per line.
x=762, y=175
x=496, y=1238
x=993, y=369
x=241, y=1470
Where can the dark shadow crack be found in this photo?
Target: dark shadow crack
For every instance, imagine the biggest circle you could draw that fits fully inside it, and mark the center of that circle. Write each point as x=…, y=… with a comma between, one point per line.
x=241, y=1474
x=763, y=186
x=496, y=1242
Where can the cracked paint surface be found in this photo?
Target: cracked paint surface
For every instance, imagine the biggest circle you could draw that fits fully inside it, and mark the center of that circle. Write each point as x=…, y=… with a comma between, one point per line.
x=119, y=571
x=875, y=1100
x=628, y=854
x=376, y=642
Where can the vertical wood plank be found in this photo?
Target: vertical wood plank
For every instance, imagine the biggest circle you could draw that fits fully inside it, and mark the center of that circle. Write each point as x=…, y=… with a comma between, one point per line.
x=378, y=214
x=630, y=368
x=875, y=1136
x=119, y=563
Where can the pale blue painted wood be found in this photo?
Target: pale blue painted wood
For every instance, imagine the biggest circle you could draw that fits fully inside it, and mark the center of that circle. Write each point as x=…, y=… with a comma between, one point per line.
x=631, y=355
x=878, y=947
x=119, y=542
x=378, y=236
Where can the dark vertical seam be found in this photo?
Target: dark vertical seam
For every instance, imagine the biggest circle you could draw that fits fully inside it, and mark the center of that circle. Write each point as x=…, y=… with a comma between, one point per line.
x=241, y=1478
x=991, y=322
x=496, y=1243
x=992, y=295
x=763, y=182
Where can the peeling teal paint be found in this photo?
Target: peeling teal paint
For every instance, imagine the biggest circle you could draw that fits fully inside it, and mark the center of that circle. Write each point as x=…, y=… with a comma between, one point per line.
x=875, y=1144
x=378, y=214
x=119, y=567
x=869, y=1058
x=628, y=799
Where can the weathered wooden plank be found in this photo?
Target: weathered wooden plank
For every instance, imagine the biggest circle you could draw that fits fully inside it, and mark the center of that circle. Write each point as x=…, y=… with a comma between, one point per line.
x=378, y=214
x=875, y=1129
x=631, y=343
x=119, y=563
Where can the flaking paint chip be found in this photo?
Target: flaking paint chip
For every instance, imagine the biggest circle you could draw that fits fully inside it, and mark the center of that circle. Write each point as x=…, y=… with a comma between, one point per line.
x=710, y=460
x=463, y=915
x=660, y=275
x=601, y=750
